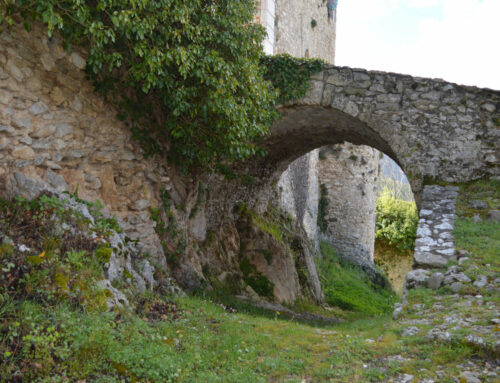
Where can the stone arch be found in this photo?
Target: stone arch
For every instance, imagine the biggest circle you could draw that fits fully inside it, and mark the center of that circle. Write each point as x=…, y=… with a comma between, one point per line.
x=431, y=128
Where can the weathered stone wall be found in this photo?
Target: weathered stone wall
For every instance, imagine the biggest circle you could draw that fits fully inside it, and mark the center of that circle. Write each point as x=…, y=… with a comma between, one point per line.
x=303, y=29
x=56, y=132
x=349, y=175
x=266, y=17
x=298, y=188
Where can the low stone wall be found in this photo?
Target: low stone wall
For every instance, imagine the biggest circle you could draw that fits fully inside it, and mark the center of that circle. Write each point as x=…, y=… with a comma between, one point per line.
x=435, y=244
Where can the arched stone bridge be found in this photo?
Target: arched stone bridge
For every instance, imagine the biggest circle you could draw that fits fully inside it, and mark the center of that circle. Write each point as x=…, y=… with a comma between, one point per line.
x=432, y=128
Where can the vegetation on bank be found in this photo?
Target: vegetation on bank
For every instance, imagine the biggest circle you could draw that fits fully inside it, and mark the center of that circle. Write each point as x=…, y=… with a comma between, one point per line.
x=55, y=325
x=480, y=237
x=350, y=288
x=190, y=78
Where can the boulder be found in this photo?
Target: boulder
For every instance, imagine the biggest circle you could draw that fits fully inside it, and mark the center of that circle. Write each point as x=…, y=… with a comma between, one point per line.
x=481, y=281
x=417, y=278
x=494, y=215
x=435, y=281
x=426, y=259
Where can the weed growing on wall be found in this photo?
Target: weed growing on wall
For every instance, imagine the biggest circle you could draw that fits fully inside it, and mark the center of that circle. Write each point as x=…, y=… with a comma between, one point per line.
x=290, y=75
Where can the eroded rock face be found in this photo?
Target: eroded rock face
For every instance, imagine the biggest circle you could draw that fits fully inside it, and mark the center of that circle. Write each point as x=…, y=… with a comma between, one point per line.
x=275, y=261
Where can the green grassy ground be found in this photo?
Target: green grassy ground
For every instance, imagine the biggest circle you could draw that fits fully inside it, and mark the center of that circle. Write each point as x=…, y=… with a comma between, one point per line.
x=50, y=338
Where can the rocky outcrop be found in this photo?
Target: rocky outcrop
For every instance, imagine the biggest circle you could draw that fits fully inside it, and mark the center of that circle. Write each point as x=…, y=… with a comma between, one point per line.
x=268, y=253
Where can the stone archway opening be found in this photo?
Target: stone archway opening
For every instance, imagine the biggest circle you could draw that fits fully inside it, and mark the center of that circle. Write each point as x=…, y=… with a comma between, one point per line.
x=328, y=165
x=333, y=193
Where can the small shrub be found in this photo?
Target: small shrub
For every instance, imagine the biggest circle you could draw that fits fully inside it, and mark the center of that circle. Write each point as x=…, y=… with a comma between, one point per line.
x=397, y=221
x=103, y=253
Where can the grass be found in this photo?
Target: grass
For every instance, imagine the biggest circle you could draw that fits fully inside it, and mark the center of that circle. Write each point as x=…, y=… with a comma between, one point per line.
x=350, y=288
x=51, y=338
x=481, y=239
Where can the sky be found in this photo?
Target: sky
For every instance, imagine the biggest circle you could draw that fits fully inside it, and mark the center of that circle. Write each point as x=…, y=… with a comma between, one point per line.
x=455, y=40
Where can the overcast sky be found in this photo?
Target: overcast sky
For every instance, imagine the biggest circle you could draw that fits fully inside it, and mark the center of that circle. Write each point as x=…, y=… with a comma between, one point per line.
x=456, y=40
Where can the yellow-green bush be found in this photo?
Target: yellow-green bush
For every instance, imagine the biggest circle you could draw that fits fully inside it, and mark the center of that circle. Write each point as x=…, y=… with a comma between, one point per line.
x=397, y=221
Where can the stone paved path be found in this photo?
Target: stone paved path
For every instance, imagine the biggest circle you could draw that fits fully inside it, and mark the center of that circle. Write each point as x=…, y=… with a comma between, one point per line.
x=435, y=245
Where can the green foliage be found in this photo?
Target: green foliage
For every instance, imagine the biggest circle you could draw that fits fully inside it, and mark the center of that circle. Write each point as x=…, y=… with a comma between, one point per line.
x=322, y=208
x=103, y=253
x=397, y=221
x=57, y=265
x=186, y=73
x=258, y=282
x=350, y=288
x=290, y=75
x=271, y=223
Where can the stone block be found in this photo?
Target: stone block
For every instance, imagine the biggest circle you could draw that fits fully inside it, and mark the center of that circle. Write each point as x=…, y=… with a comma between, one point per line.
x=23, y=152
x=63, y=129
x=426, y=259
x=38, y=108
x=41, y=131
x=435, y=281
x=417, y=278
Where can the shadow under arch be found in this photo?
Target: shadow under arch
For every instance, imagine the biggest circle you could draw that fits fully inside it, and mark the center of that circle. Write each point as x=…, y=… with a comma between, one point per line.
x=302, y=129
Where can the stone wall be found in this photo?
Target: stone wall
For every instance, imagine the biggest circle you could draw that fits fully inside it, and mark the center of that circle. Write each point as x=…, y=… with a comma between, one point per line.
x=298, y=188
x=303, y=29
x=266, y=17
x=57, y=133
x=348, y=174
